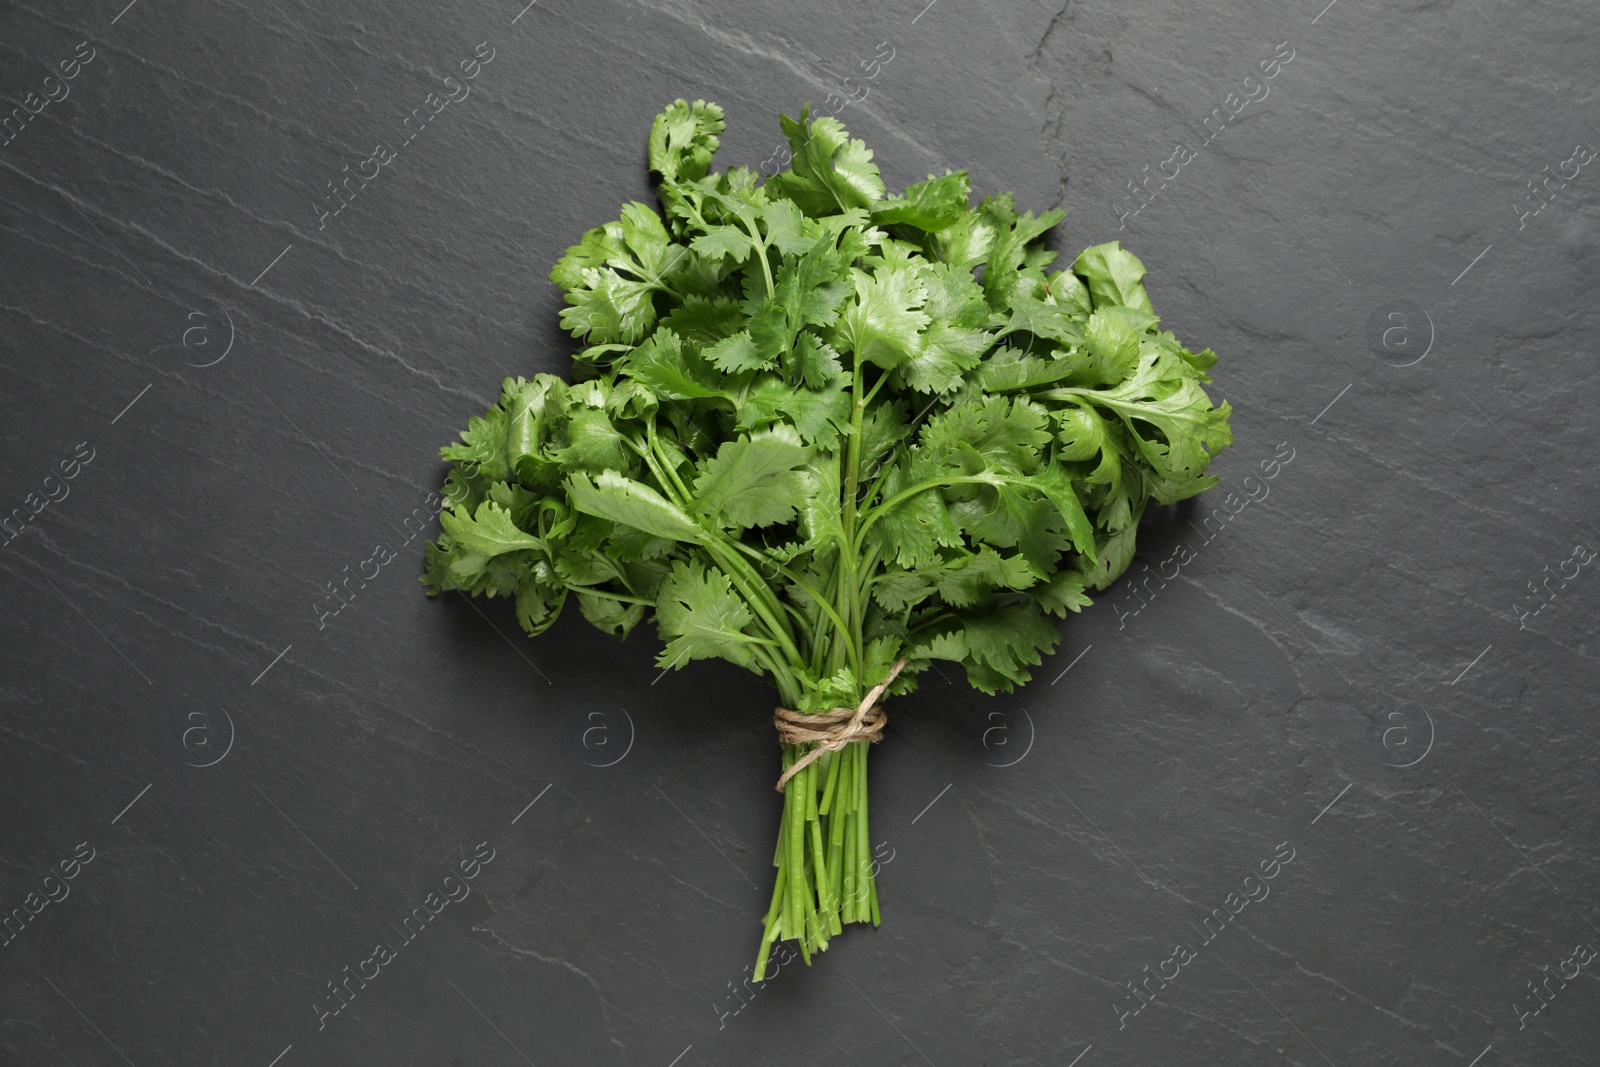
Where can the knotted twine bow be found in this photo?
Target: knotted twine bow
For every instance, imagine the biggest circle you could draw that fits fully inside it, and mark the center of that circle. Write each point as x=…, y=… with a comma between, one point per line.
x=833, y=729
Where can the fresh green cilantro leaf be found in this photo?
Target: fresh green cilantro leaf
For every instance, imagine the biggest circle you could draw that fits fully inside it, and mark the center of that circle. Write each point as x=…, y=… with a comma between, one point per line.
x=814, y=361
x=646, y=250
x=1010, y=369
x=820, y=414
x=531, y=407
x=628, y=544
x=1009, y=434
x=968, y=241
x=1069, y=291
x=700, y=617
x=972, y=578
x=932, y=205
x=589, y=254
x=1201, y=361
x=482, y=447
x=1139, y=321
x=609, y=614
x=1113, y=349
x=594, y=444
x=1164, y=395
x=489, y=532
x=813, y=287
x=608, y=307
x=786, y=228
x=1064, y=592
x=1003, y=643
x=945, y=644
x=1113, y=276
x=538, y=605
x=702, y=321
x=829, y=172
x=683, y=138
x=882, y=324
x=1044, y=320
x=591, y=567
x=528, y=510
x=737, y=353
x=437, y=557
x=611, y=276
x=818, y=510
x=1057, y=488
x=611, y=496
x=955, y=338
x=897, y=591
x=911, y=530
x=768, y=327
x=672, y=371
x=753, y=481
x=1113, y=553
x=883, y=429
x=1010, y=246
x=720, y=241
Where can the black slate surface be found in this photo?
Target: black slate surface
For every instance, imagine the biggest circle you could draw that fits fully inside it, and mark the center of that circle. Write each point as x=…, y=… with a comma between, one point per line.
x=1353, y=667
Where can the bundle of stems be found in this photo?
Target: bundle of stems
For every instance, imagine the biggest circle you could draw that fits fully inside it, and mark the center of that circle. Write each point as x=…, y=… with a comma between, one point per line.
x=826, y=875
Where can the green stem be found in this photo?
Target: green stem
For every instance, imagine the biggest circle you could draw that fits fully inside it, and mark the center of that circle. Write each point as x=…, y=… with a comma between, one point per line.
x=795, y=814
x=761, y=248
x=867, y=573
x=750, y=584
x=879, y=384
x=848, y=590
x=819, y=864
x=877, y=484
x=833, y=760
x=756, y=592
x=887, y=465
x=836, y=871
x=847, y=860
x=770, y=925
x=646, y=601
x=766, y=270
x=789, y=573
x=661, y=464
x=931, y=621
x=823, y=648
x=866, y=840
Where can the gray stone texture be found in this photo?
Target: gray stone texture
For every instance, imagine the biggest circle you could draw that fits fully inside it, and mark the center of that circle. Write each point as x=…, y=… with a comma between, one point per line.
x=1349, y=669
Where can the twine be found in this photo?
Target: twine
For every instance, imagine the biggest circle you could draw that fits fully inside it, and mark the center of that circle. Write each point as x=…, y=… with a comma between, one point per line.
x=832, y=730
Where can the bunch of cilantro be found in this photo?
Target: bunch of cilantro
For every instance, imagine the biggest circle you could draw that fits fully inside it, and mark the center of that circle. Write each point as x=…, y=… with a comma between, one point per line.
x=814, y=430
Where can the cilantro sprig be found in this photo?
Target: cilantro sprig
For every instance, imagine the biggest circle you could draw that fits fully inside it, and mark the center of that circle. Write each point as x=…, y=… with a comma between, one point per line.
x=814, y=430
